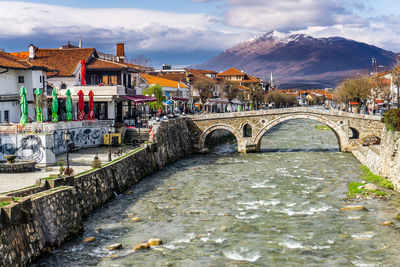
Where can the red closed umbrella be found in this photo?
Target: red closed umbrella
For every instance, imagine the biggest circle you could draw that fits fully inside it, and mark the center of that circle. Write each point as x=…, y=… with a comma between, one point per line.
x=81, y=106
x=91, y=106
x=83, y=72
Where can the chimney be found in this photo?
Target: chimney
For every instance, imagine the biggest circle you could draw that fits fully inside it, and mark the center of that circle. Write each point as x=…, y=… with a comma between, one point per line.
x=32, y=50
x=121, y=52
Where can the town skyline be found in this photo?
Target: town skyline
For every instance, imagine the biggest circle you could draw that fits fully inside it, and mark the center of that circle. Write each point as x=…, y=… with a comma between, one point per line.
x=184, y=32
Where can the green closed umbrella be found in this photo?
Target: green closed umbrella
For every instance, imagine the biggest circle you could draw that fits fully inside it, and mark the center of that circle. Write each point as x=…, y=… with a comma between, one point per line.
x=54, y=106
x=251, y=106
x=239, y=108
x=24, y=106
x=68, y=105
x=38, y=93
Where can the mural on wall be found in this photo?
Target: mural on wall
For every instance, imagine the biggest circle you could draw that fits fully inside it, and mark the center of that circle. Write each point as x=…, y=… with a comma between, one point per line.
x=81, y=137
x=35, y=147
x=26, y=147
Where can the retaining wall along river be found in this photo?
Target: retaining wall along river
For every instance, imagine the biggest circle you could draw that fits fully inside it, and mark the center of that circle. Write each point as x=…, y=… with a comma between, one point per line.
x=383, y=159
x=47, y=215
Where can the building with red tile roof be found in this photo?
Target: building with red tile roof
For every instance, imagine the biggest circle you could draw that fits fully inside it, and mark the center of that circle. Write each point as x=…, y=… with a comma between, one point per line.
x=16, y=72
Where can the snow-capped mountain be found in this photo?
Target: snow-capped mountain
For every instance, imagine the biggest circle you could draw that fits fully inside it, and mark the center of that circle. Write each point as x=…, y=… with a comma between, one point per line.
x=300, y=59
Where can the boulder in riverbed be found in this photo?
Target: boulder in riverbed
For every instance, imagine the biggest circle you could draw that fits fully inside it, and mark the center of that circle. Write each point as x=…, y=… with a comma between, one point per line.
x=388, y=223
x=141, y=246
x=371, y=187
x=350, y=208
x=89, y=239
x=152, y=242
x=135, y=219
x=115, y=246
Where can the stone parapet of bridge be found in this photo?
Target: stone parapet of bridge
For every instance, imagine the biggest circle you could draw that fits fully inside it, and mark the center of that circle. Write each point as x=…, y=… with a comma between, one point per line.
x=351, y=129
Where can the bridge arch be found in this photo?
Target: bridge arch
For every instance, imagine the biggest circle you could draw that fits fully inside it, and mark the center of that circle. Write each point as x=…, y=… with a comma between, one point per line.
x=247, y=129
x=341, y=135
x=216, y=127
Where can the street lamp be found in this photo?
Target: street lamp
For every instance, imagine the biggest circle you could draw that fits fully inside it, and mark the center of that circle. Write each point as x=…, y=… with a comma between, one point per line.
x=109, y=142
x=67, y=138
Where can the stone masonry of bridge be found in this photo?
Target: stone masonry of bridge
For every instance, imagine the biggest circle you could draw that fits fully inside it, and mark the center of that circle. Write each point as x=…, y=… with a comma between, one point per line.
x=249, y=127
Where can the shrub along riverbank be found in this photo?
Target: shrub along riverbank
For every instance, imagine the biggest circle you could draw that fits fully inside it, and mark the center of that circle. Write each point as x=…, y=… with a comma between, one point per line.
x=359, y=189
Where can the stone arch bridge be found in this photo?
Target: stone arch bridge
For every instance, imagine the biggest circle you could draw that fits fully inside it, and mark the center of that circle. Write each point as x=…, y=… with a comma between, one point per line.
x=249, y=127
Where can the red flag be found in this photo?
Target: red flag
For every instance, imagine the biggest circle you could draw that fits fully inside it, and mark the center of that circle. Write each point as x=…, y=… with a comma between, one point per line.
x=91, y=106
x=81, y=106
x=83, y=72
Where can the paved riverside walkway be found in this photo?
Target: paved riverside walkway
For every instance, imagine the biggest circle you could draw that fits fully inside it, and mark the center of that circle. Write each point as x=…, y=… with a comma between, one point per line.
x=80, y=160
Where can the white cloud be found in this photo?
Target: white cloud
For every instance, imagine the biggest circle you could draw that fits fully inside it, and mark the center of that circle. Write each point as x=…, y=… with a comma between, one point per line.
x=22, y=18
x=290, y=14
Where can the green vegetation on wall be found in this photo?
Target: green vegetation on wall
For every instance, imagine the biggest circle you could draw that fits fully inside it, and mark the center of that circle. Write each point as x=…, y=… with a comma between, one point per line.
x=392, y=119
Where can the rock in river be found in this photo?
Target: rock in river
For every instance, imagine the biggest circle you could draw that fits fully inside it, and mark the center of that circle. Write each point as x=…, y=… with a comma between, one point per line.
x=388, y=223
x=141, y=246
x=89, y=239
x=371, y=187
x=154, y=242
x=349, y=208
x=135, y=219
x=115, y=246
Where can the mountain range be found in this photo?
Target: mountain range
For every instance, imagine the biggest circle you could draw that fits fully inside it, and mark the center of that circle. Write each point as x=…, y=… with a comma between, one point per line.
x=300, y=60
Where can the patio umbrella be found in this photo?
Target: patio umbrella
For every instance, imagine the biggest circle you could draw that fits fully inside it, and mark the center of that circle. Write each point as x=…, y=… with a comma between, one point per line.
x=81, y=106
x=68, y=105
x=251, y=106
x=91, y=106
x=54, y=106
x=83, y=72
x=38, y=94
x=24, y=106
x=239, y=108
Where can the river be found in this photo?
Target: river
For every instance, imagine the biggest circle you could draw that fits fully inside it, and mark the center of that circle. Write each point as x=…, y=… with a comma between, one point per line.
x=279, y=207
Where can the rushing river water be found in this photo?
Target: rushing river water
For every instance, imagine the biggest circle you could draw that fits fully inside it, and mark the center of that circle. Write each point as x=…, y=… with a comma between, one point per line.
x=275, y=208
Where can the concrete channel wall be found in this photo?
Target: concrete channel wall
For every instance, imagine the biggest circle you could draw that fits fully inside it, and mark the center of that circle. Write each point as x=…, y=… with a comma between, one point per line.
x=383, y=159
x=47, y=215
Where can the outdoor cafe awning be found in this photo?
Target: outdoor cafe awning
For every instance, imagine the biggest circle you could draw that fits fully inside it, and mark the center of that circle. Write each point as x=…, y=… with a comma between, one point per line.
x=139, y=98
x=184, y=99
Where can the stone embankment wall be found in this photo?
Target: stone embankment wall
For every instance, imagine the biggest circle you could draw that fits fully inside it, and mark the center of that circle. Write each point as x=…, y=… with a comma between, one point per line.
x=44, y=218
x=383, y=159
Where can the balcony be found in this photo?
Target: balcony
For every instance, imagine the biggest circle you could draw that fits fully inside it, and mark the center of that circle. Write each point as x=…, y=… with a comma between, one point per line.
x=106, y=92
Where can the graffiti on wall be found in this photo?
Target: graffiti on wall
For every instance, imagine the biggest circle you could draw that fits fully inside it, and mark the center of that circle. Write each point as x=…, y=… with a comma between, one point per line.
x=35, y=147
x=26, y=147
x=80, y=137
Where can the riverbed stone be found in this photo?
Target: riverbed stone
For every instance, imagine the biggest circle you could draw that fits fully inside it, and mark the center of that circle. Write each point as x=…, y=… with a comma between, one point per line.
x=115, y=246
x=371, y=187
x=352, y=208
x=135, y=219
x=388, y=223
x=89, y=239
x=152, y=242
x=141, y=246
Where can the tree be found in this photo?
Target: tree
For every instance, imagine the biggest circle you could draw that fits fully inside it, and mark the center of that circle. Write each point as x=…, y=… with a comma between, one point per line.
x=204, y=89
x=396, y=82
x=140, y=60
x=380, y=88
x=256, y=95
x=356, y=89
x=155, y=90
x=229, y=90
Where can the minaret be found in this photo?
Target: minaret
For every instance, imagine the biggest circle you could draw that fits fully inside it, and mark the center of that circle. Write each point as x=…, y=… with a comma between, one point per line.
x=271, y=81
x=80, y=42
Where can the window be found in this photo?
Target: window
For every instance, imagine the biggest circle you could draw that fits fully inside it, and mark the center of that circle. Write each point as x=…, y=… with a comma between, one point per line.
x=40, y=78
x=63, y=86
x=6, y=117
x=21, y=79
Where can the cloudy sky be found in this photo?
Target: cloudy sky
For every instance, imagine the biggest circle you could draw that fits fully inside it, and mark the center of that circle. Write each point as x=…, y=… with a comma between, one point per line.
x=184, y=32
